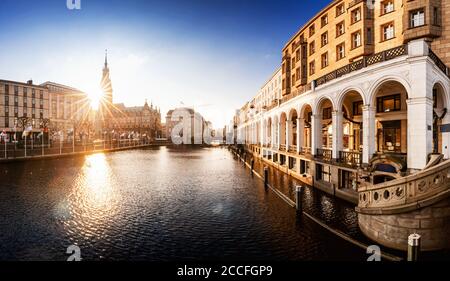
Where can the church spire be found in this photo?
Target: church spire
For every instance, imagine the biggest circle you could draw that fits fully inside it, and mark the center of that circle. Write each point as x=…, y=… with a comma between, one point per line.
x=106, y=58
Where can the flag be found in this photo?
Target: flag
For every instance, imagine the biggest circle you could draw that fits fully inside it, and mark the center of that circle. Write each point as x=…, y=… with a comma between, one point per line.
x=27, y=131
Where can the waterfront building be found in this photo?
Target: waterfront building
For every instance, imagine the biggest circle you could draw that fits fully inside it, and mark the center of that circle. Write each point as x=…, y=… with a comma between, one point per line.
x=143, y=120
x=69, y=112
x=189, y=124
x=116, y=118
x=23, y=105
x=363, y=114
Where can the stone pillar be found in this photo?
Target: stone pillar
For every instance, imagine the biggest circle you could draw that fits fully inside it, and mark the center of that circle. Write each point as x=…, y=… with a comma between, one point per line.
x=337, y=145
x=300, y=133
x=316, y=133
x=420, y=131
x=278, y=135
x=263, y=133
x=446, y=138
x=272, y=137
x=288, y=134
x=369, y=133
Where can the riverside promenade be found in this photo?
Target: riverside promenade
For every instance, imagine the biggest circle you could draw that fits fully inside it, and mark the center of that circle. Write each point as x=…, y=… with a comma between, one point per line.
x=13, y=153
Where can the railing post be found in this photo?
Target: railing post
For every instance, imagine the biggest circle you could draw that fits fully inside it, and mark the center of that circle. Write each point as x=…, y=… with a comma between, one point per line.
x=266, y=177
x=414, y=241
x=298, y=197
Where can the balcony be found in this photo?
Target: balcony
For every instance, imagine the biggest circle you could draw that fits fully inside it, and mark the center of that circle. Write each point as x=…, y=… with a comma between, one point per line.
x=324, y=154
x=305, y=150
x=350, y=158
x=293, y=149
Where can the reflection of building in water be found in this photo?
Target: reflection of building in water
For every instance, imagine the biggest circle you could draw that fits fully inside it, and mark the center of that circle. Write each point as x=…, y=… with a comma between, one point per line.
x=195, y=125
x=144, y=121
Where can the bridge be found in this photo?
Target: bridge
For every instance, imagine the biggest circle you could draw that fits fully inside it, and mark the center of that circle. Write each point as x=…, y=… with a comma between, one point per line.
x=419, y=203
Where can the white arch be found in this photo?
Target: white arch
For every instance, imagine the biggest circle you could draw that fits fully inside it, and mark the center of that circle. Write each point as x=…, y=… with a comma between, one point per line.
x=377, y=85
x=341, y=96
x=303, y=109
x=444, y=87
x=321, y=99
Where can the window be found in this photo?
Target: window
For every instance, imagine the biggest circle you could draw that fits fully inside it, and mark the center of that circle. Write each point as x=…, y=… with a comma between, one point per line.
x=293, y=63
x=324, y=38
x=326, y=113
x=324, y=60
x=388, y=31
x=435, y=16
x=297, y=73
x=387, y=7
x=312, y=30
x=340, y=29
x=297, y=55
x=293, y=80
x=340, y=51
x=312, y=48
x=369, y=37
x=6, y=89
x=340, y=9
x=356, y=39
x=41, y=94
x=389, y=103
x=16, y=90
x=324, y=20
x=6, y=109
x=312, y=68
x=357, y=108
x=323, y=173
x=25, y=92
x=417, y=18
x=6, y=99
x=356, y=15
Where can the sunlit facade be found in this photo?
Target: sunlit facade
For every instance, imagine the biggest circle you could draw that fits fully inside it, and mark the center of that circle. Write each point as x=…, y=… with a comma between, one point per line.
x=365, y=93
x=22, y=105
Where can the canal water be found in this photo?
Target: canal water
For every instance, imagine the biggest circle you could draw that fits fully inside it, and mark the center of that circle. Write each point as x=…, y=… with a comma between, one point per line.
x=160, y=204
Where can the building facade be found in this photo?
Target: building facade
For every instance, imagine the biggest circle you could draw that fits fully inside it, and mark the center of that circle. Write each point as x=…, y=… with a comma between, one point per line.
x=23, y=105
x=69, y=111
x=186, y=125
x=365, y=93
x=143, y=120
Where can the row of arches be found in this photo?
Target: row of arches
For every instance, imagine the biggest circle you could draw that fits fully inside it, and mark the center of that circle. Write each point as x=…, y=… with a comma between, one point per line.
x=351, y=122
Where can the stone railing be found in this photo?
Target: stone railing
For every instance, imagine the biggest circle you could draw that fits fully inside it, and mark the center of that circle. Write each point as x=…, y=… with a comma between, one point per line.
x=293, y=148
x=410, y=191
x=362, y=63
x=350, y=158
x=305, y=150
x=324, y=154
x=439, y=63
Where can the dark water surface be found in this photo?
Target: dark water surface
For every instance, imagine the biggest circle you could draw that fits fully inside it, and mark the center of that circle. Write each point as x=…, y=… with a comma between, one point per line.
x=159, y=205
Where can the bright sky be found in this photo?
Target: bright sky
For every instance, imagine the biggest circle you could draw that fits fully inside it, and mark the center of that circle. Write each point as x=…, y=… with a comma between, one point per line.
x=212, y=55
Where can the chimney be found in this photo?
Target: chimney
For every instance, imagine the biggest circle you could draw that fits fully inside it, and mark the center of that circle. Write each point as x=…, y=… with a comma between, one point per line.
x=30, y=82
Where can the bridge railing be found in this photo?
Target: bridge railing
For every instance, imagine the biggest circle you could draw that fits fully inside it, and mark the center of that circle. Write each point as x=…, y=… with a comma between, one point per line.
x=408, y=190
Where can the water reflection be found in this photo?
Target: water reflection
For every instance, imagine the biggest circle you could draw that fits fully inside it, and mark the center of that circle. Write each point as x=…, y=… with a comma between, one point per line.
x=157, y=205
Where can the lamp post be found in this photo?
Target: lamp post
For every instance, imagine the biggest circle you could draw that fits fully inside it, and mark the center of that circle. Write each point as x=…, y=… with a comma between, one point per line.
x=44, y=123
x=22, y=122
